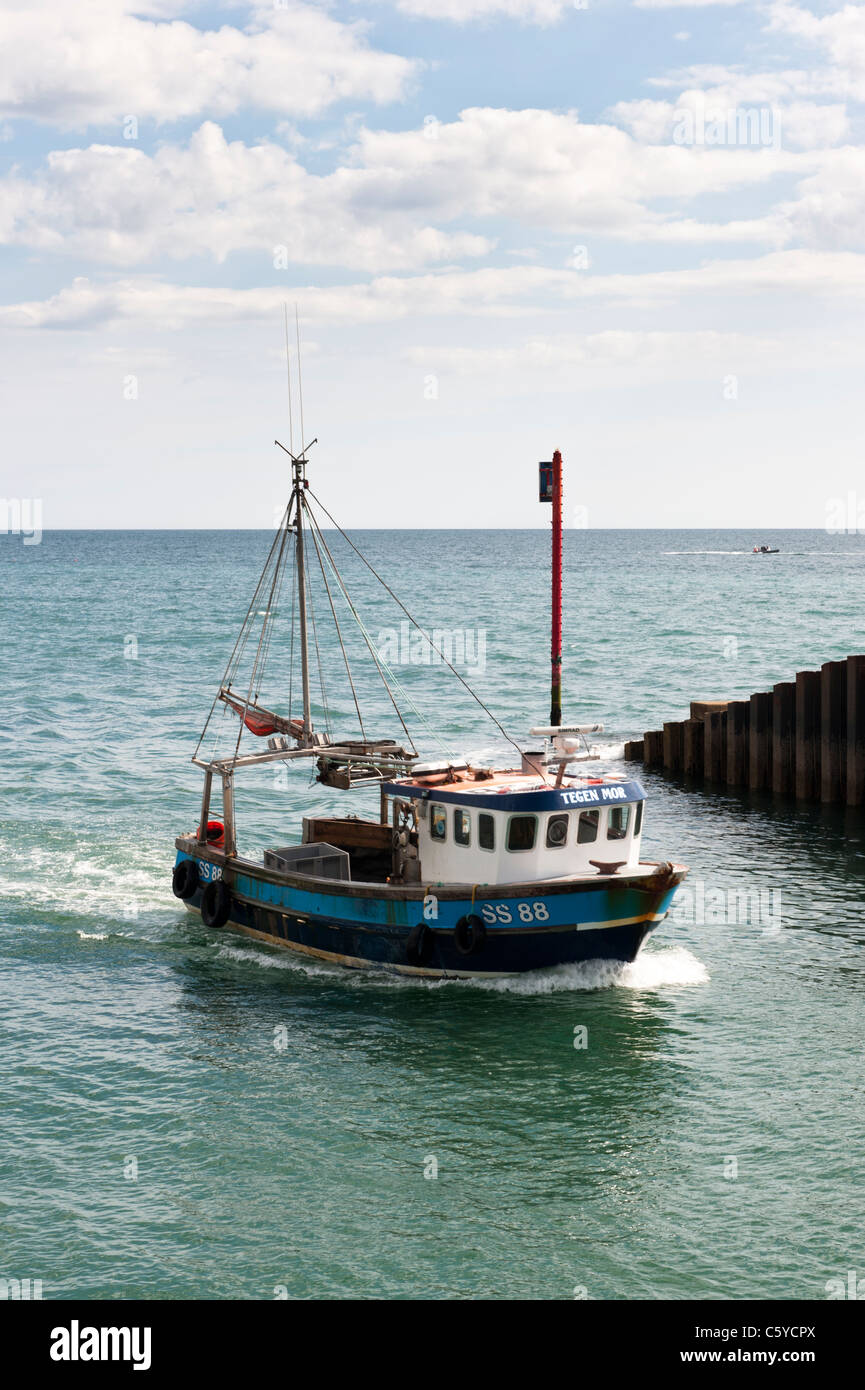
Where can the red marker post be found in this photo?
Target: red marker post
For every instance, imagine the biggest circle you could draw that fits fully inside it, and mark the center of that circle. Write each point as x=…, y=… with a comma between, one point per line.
x=550, y=490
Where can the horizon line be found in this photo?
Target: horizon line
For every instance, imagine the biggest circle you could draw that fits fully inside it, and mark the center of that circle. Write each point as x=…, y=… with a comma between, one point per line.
x=576, y=530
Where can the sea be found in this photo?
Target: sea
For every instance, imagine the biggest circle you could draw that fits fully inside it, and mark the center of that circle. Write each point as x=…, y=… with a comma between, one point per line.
x=187, y=1114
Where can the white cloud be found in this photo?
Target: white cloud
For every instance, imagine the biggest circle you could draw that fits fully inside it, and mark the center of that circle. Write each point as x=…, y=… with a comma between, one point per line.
x=829, y=209
x=650, y=122
x=683, y=4
x=385, y=207
x=465, y=11
x=755, y=111
x=119, y=205
x=841, y=73
x=387, y=298
x=97, y=62
x=807, y=125
x=624, y=349
x=840, y=34
x=547, y=169
x=511, y=292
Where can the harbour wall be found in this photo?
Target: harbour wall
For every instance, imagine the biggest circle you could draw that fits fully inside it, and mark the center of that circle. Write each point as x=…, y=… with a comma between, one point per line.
x=804, y=738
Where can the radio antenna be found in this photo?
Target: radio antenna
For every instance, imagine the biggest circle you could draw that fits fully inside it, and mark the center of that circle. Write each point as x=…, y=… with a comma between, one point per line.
x=299, y=377
x=288, y=377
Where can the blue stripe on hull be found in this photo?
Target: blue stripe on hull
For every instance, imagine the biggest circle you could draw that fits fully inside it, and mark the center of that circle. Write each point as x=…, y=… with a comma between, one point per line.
x=377, y=932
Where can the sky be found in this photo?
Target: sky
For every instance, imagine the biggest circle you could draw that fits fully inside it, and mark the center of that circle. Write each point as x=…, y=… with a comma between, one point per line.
x=628, y=229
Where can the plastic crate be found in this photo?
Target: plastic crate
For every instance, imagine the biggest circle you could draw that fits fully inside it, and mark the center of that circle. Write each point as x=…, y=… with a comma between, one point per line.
x=318, y=860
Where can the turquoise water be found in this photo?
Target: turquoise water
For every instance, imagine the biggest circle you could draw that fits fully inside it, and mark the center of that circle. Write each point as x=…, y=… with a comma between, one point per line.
x=187, y=1114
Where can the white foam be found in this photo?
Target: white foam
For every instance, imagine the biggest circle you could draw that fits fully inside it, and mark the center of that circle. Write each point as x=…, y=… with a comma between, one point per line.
x=611, y=751
x=665, y=965
x=657, y=968
x=286, y=960
x=92, y=935
x=118, y=883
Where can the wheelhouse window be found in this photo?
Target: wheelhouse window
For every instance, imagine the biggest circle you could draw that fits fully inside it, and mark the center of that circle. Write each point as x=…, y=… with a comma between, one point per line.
x=638, y=819
x=557, y=831
x=617, y=822
x=462, y=826
x=486, y=831
x=587, y=830
x=521, y=833
x=438, y=823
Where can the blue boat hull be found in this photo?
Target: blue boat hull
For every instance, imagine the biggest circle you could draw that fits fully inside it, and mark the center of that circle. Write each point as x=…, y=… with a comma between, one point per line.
x=361, y=926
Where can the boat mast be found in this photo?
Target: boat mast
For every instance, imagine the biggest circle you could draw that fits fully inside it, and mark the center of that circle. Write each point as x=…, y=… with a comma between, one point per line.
x=299, y=468
x=298, y=464
x=556, y=633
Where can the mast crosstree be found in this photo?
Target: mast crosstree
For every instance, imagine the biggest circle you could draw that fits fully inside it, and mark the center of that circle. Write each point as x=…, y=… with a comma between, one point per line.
x=298, y=544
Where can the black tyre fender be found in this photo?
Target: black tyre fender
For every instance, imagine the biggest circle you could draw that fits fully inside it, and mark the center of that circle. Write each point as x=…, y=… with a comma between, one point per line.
x=216, y=904
x=185, y=880
x=470, y=934
x=419, y=945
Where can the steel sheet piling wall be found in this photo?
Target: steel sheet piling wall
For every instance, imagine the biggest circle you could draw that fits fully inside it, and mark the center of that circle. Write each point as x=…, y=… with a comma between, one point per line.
x=654, y=749
x=760, y=741
x=855, y=730
x=784, y=738
x=674, y=747
x=803, y=738
x=715, y=746
x=808, y=736
x=738, y=721
x=694, y=731
x=833, y=731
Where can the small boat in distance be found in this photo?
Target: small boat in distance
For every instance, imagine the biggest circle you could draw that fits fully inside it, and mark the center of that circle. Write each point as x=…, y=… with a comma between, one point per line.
x=469, y=870
x=765, y=550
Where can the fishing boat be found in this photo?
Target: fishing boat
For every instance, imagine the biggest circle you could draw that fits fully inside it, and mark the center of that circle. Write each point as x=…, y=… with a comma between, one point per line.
x=469, y=869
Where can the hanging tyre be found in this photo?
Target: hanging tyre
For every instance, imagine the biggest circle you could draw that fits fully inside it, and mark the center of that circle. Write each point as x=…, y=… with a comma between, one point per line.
x=215, y=904
x=184, y=880
x=469, y=934
x=419, y=945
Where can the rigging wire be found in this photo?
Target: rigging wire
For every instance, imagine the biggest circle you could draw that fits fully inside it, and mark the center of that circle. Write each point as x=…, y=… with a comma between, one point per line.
x=284, y=534
x=327, y=723
x=253, y=611
x=274, y=572
x=291, y=653
x=502, y=730
x=248, y=622
x=379, y=660
x=240, y=643
x=312, y=531
x=271, y=621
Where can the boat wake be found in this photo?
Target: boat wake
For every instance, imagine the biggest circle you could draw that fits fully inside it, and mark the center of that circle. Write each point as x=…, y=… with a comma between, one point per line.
x=660, y=967
x=113, y=885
